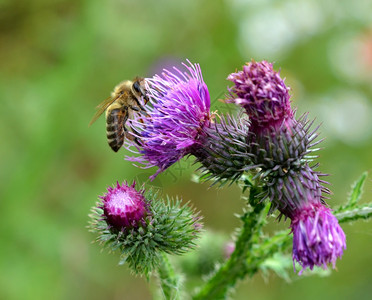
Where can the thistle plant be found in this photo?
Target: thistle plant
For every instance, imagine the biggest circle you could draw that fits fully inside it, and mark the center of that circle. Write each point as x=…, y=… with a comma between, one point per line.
x=265, y=149
x=281, y=144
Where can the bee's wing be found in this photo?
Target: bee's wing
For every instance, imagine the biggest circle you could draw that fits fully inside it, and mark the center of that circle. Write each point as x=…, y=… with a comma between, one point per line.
x=101, y=108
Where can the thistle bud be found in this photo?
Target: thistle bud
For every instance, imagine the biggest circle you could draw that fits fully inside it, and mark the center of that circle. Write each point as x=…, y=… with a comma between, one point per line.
x=123, y=206
x=223, y=152
x=142, y=227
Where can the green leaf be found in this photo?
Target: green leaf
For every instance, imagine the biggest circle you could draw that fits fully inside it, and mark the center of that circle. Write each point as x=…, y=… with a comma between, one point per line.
x=357, y=189
x=279, y=263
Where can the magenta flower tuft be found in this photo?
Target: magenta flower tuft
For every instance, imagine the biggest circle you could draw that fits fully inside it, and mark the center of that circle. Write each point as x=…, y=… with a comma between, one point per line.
x=262, y=93
x=177, y=116
x=124, y=206
x=318, y=239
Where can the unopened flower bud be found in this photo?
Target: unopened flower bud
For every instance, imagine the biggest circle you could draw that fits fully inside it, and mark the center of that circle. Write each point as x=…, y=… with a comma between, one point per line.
x=142, y=227
x=123, y=206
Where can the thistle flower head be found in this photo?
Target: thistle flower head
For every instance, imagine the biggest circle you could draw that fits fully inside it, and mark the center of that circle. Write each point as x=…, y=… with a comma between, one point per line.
x=223, y=154
x=178, y=114
x=262, y=93
x=123, y=206
x=318, y=239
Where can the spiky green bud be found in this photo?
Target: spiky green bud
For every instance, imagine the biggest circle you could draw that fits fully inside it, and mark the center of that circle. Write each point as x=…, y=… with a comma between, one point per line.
x=275, y=151
x=167, y=227
x=224, y=152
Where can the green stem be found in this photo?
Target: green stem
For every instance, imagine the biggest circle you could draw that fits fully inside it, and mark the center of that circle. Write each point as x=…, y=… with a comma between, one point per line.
x=268, y=247
x=236, y=267
x=169, y=281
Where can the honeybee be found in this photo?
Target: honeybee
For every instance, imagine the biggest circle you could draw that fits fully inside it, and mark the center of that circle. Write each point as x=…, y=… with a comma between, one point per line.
x=124, y=100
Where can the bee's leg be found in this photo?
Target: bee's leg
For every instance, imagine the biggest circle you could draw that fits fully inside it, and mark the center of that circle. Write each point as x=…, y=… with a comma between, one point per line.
x=131, y=137
x=135, y=108
x=124, y=121
x=146, y=99
x=139, y=105
x=135, y=131
x=138, y=109
x=126, y=116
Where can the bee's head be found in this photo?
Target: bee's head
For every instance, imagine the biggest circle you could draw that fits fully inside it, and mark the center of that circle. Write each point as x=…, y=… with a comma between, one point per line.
x=138, y=88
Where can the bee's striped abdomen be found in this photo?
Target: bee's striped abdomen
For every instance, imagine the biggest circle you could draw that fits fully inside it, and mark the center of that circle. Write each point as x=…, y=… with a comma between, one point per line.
x=115, y=120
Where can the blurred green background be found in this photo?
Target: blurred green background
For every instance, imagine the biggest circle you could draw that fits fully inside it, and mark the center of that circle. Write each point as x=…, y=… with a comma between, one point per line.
x=59, y=59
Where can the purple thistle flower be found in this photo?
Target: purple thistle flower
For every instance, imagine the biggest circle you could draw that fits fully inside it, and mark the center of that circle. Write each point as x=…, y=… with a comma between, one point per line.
x=318, y=239
x=262, y=93
x=124, y=206
x=176, y=120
